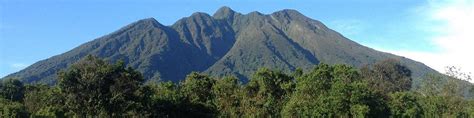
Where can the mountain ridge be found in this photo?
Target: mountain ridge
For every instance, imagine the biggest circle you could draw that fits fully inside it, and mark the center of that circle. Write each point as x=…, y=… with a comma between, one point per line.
x=226, y=43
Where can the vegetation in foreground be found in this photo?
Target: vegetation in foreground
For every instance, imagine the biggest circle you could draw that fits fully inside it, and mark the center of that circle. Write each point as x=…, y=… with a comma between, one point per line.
x=93, y=87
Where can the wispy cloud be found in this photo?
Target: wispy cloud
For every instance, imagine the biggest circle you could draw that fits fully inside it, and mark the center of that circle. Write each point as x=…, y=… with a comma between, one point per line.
x=18, y=66
x=11, y=67
x=348, y=27
x=451, y=23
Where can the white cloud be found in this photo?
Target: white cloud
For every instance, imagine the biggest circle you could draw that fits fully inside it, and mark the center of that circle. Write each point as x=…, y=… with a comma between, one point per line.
x=452, y=25
x=18, y=66
x=349, y=26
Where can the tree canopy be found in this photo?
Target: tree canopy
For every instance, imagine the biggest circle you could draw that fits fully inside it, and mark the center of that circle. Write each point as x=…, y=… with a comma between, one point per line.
x=94, y=87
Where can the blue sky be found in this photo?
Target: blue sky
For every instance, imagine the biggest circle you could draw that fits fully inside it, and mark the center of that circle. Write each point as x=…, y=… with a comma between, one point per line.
x=35, y=30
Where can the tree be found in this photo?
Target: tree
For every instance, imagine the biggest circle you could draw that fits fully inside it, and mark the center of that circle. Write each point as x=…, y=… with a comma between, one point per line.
x=333, y=91
x=12, y=109
x=455, y=84
x=12, y=89
x=228, y=98
x=297, y=73
x=163, y=99
x=405, y=104
x=311, y=94
x=44, y=101
x=197, y=89
x=446, y=95
x=95, y=87
x=266, y=93
x=388, y=76
x=431, y=85
x=455, y=91
x=340, y=91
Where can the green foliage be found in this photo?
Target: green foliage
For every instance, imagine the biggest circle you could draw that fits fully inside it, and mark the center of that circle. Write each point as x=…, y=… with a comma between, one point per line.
x=42, y=100
x=12, y=89
x=161, y=99
x=405, y=104
x=388, y=76
x=197, y=89
x=12, y=109
x=309, y=99
x=445, y=95
x=333, y=91
x=359, y=111
x=94, y=87
x=228, y=97
x=266, y=93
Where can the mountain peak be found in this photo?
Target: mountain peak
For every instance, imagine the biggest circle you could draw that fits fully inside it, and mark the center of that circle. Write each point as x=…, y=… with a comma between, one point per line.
x=228, y=43
x=225, y=9
x=146, y=20
x=255, y=13
x=289, y=13
x=224, y=12
x=145, y=23
x=199, y=14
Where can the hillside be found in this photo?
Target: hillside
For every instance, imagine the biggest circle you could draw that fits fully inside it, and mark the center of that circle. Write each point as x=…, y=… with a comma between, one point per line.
x=226, y=43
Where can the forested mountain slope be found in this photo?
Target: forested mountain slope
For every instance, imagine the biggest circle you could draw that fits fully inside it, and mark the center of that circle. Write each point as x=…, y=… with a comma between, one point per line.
x=226, y=43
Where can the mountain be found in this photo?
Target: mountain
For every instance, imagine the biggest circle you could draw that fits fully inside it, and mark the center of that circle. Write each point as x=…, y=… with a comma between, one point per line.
x=226, y=43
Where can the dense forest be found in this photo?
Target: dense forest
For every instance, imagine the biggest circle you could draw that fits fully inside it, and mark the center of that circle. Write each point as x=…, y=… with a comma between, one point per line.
x=94, y=87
